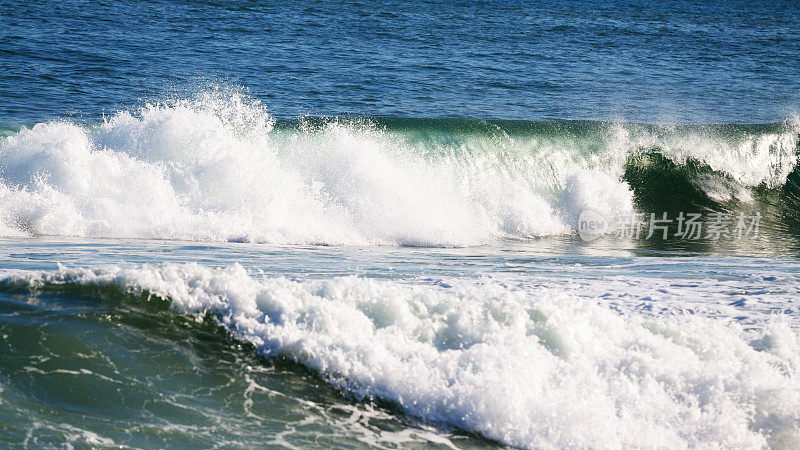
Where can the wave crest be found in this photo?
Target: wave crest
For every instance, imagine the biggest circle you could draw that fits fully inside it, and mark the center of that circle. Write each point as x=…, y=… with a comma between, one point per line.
x=219, y=167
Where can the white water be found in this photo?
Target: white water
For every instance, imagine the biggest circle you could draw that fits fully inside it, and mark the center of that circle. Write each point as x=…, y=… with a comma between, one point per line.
x=535, y=367
x=214, y=168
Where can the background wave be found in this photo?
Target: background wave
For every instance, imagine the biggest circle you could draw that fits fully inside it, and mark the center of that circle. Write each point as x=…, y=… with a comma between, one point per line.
x=218, y=167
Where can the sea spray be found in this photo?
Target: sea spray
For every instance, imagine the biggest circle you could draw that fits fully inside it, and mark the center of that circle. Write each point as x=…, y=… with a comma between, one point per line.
x=217, y=167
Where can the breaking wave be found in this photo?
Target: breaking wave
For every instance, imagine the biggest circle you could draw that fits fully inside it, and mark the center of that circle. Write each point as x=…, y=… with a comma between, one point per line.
x=532, y=367
x=218, y=167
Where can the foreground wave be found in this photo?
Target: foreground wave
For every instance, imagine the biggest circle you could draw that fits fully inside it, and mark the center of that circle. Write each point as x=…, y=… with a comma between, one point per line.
x=217, y=167
x=535, y=368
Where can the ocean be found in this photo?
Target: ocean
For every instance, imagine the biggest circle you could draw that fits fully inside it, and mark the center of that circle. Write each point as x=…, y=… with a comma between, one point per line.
x=399, y=225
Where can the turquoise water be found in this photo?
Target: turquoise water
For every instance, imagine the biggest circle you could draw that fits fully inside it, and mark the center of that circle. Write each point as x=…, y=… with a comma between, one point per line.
x=375, y=225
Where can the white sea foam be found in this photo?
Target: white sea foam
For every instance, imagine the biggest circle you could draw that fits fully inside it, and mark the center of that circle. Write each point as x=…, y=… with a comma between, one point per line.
x=750, y=159
x=215, y=168
x=536, y=367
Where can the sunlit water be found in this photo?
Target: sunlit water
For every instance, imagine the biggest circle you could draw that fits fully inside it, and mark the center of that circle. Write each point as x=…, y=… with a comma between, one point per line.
x=359, y=224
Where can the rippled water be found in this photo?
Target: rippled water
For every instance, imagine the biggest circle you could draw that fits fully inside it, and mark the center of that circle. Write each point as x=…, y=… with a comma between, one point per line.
x=641, y=61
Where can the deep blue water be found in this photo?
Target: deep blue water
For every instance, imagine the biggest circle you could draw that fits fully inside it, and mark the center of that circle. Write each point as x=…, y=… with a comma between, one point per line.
x=732, y=61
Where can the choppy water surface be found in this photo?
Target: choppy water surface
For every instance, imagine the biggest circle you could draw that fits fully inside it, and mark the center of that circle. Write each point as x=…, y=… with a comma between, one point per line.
x=641, y=61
